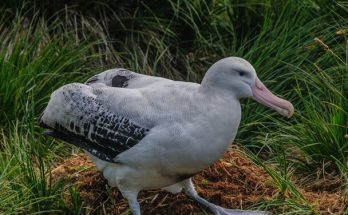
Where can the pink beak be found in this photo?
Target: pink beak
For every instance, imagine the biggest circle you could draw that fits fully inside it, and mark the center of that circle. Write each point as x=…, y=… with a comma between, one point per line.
x=262, y=95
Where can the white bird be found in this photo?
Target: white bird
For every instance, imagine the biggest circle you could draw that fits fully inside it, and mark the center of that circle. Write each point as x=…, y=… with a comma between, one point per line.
x=147, y=132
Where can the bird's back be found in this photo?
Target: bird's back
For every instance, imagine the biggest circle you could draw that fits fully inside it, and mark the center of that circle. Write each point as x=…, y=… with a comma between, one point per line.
x=85, y=115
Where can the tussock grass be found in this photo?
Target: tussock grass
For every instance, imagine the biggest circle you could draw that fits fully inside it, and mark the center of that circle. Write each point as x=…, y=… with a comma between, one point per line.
x=293, y=46
x=34, y=62
x=24, y=185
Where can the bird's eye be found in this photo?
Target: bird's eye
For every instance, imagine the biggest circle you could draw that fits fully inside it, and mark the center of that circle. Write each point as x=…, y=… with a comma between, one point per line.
x=241, y=74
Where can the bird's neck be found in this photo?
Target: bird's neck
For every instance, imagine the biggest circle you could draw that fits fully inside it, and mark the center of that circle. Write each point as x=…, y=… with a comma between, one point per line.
x=212, y=86
x=214, y=91
x=221, y=115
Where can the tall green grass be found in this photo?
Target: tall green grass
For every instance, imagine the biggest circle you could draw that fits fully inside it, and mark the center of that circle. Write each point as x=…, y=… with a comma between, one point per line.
x=24, y=183
x=34, y=62
x=44, y=47
x=316, y=137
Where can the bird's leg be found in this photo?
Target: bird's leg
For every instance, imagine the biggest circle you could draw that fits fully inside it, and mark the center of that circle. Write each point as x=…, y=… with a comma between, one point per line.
x=131, y=196
x=190, y=191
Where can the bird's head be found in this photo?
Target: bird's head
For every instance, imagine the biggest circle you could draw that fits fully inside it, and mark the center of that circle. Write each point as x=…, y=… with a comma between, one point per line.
x=237, y=76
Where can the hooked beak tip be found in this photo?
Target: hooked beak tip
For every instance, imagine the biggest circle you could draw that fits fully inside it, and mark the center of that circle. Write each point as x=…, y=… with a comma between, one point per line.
x=290, y=111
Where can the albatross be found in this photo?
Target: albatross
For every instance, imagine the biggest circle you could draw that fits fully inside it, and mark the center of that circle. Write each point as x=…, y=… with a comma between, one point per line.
x=146, y=132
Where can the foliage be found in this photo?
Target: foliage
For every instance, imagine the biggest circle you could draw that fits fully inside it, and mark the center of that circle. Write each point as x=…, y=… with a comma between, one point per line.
x=293, y=45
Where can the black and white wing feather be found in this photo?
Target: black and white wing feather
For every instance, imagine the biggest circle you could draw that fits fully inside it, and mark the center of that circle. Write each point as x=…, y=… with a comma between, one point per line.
x=75, y=115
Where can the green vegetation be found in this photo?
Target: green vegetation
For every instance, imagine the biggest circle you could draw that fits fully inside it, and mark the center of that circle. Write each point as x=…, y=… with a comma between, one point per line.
x=293, y=46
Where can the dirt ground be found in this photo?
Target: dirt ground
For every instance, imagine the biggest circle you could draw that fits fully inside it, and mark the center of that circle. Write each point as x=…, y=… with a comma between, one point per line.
x=233, y=182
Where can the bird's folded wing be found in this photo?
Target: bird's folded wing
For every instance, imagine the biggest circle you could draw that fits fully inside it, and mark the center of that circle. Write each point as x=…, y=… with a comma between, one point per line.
x=123, y=78
x=75, y=115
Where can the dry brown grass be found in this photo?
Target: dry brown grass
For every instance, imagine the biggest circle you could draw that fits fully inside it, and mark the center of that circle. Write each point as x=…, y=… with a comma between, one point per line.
x=232, y=182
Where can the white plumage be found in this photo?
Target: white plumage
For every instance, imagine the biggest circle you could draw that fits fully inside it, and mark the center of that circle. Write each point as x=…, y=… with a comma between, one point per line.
x=147, y=132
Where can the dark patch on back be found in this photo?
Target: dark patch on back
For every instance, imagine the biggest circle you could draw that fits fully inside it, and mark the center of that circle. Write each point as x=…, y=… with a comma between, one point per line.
x=119, y=81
